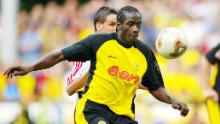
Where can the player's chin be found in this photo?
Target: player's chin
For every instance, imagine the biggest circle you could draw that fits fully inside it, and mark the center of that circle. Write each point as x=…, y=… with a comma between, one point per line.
x=132, y=39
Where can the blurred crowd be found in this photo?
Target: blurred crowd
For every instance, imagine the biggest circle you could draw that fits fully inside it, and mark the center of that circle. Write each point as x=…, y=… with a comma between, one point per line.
x=52, y=26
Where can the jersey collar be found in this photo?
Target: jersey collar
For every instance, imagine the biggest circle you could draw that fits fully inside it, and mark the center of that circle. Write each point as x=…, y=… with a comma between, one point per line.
x=115, y=36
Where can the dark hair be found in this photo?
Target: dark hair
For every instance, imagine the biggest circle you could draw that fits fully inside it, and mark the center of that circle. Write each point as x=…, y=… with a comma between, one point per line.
x=123, y=10
x=102, y=13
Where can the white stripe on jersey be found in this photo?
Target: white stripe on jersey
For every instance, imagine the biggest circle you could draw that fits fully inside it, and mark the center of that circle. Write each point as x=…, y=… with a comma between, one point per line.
x=79, y=69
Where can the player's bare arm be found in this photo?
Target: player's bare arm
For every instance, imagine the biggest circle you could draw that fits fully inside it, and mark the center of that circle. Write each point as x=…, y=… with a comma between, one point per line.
x=76, y=84
x=43, y=63
x=161, y=95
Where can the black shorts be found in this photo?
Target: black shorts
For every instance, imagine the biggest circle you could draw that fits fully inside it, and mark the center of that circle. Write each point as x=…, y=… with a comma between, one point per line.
x=100, y=114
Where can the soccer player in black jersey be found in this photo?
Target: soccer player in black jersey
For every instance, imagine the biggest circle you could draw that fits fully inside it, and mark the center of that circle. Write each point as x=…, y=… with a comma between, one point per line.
x=119, y=64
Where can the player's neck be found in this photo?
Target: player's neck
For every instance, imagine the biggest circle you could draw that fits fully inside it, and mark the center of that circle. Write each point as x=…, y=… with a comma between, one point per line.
x=123, y=42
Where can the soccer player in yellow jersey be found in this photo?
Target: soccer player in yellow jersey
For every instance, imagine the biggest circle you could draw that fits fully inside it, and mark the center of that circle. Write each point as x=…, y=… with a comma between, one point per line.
x=211, y=67
x=119, y=63
x=212, y=58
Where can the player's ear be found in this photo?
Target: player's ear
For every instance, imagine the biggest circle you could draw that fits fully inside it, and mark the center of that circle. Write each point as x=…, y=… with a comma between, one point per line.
x=118, y=27
x=98, y=26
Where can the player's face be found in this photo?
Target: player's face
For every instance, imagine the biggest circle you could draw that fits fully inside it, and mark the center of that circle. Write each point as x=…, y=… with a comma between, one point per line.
x=130, y=28
x=109, y=25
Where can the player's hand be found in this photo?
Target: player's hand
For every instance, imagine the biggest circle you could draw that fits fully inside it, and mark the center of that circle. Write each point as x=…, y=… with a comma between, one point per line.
x=15, y=71
x=182, y=107
x=212, y=94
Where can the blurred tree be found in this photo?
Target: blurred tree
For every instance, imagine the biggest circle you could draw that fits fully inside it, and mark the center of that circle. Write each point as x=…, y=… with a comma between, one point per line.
x=28, y=4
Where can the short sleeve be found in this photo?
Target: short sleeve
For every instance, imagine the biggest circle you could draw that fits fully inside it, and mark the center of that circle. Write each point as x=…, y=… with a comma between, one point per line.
x=210, y=56
x=80, y=51
x=152, y=78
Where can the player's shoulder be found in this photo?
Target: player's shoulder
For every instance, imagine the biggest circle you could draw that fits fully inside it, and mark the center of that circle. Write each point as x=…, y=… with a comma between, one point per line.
x=213, y=54
x=94, y=41
x=143, y=47
x=101, y=37
x=218, y=45
x=214, y=49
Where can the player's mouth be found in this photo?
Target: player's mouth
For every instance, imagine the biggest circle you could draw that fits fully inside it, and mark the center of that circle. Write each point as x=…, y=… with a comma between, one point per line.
x=134, y=36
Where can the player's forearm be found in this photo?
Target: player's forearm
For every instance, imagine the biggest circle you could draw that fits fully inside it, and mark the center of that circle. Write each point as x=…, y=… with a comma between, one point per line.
x=72, y=88
x=70, y=92
x=76, y=84
x=47, y=61
x=161, y=95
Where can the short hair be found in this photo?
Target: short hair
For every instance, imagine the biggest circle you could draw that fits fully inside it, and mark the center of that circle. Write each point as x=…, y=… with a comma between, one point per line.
x=102, y=13
x=123, y=10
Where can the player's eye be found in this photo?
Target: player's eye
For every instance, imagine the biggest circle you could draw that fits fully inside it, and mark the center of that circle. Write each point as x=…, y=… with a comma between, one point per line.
x=112, y=24
x=130, y=23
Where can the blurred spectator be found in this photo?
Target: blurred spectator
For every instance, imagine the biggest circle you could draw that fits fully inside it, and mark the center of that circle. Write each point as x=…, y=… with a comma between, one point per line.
x=30, y=38
x=1, y=38
x=50, y=32
x=11, y=92
x=22, y=22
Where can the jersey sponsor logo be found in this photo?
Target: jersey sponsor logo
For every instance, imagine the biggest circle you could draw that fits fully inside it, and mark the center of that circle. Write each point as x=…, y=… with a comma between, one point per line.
x=123, y=75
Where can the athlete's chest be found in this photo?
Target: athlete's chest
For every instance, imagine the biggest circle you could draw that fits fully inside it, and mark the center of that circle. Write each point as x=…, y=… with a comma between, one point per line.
x=126, y=61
